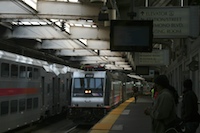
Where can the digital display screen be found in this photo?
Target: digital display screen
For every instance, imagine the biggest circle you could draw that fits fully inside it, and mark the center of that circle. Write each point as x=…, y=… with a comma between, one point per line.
x=142, y=70
x=131, y=35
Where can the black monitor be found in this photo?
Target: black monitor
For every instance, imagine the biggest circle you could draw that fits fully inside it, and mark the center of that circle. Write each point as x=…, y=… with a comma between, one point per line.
x=142, y=70
x=131, y=35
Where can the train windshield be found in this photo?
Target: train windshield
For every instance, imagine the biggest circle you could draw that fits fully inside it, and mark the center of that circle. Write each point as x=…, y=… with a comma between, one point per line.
x=88, y=87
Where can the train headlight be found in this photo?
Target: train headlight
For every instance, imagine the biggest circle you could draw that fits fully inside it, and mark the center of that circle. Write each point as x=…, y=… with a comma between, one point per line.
x=88, y=91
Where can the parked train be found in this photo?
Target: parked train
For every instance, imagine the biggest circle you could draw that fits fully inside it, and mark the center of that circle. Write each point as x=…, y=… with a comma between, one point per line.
x=30, y=90
x=95, y=93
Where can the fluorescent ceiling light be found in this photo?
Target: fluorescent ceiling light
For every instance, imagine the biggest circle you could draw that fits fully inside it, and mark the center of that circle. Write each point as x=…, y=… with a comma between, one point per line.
x=26, y=23
x=35, y=23
x=43, y=23
x=76, y=1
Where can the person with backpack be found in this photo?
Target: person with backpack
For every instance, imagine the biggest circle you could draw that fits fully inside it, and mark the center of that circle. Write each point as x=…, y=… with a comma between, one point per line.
x=189, y=109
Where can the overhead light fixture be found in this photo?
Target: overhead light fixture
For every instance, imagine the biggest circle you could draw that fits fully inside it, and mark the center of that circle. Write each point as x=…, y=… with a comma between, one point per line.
x=75, y=1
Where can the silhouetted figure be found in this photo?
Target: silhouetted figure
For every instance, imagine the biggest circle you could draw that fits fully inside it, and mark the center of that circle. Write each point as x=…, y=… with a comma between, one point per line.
x=189, y=110
x=174, y=94
x=135, y=89
x=154, y=94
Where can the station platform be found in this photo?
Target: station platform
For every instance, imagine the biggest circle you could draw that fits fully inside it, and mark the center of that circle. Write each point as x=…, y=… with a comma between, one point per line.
x=129, y=117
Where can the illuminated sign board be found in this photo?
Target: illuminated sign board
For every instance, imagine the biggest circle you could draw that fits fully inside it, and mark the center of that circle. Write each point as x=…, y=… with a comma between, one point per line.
x=89, y=75
x=171, y=22
x=155, y=58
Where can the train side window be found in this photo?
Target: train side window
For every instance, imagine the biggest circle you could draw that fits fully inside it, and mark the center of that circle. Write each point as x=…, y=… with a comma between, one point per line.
x=99, y=83
x=22, y=72
x=35, y=73
x=29, y=103
x=14, y=70
x=13, y=106
x=29, y=72
x=4, y=107
x=91, y=83
x=35, y=102
x=79, y=83
x=5, y=70
x=22, y=105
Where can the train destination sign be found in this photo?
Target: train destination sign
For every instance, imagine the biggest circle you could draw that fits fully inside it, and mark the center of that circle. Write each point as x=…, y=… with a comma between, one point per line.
x=171, y=22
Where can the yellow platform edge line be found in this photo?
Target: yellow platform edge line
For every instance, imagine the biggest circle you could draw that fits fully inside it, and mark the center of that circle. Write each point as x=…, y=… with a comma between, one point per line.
x=102, y=126
x=109, y=119
x=106, y=123
x=99, y=131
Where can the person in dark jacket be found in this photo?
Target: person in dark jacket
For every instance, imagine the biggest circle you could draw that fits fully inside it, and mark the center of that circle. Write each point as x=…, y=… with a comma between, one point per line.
x=174, y=94
x=163, y=111
x=189, y=109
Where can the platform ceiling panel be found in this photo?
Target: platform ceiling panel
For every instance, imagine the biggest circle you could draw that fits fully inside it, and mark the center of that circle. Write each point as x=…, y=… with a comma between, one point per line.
x=38, y=32
x=59, y=44
x=68, y=30
x=99, y=33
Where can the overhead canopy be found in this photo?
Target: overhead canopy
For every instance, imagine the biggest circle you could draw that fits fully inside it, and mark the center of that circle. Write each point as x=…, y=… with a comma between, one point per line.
x=68, y=29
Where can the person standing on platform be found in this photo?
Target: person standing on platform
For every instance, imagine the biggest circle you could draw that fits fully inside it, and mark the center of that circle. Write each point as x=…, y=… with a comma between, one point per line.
x=135, y=89
x=154, y=94
x=189, y=109
x=163, y=111
x=174, y=94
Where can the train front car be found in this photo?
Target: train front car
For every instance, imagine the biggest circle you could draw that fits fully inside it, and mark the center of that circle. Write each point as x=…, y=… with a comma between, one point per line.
x=93, y=95
x=87, y=96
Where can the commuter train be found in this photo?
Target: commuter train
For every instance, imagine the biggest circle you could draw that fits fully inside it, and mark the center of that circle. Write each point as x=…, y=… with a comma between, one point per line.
x=30, y=90
x=95, y=93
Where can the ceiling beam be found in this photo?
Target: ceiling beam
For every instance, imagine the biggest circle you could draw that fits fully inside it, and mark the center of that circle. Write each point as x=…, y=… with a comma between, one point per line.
x=38, y=32
x=70, y=44
x=102, y=33
x=79, y=52
x=110, y=53
x=49, y=10
x=15, y=7
x=98, y=44
x=54, y=32
x=60, y=44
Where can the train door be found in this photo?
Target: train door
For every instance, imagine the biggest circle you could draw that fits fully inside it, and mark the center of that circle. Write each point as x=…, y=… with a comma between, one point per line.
x=56, y=95
x=68, y=88
x=112, y=94
x=124, y=96
x=42, y=90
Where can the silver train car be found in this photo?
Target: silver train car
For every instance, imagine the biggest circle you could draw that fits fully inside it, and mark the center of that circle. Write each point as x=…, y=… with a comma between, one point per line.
x=94, y=93
x=30, y=90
